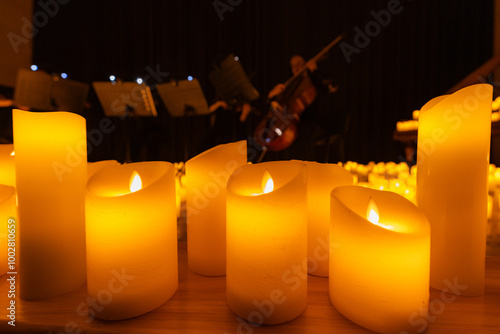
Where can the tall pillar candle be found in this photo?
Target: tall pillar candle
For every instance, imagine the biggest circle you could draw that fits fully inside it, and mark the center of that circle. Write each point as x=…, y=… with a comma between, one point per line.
x=131, y=238
x=321, y=180
x=51, y=172
x=266, y=279
x=452, y=185
x=8, y=230
x=206, y=179
x=379, y=260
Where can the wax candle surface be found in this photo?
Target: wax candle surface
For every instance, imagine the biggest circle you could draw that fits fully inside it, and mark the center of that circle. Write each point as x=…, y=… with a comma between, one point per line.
x=7, y=211
x=267, y=242
x=379, y=260
x=7, y=169
x=452, y=185
x=206, y=179
x=131, y=238
x=93, y=167
x=51, y=172
x=321, y=180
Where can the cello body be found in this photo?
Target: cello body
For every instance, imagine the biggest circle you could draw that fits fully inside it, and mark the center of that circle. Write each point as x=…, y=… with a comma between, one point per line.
x=278, y=129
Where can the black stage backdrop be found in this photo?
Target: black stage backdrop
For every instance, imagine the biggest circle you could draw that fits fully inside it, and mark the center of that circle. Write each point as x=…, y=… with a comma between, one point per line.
x=407, y=53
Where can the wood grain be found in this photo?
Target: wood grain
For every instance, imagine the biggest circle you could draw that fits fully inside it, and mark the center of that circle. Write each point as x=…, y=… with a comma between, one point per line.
x=199, y=306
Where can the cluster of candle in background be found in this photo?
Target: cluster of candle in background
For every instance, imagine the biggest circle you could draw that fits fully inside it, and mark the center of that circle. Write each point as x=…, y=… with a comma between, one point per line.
x=412, y=124
x=388, y=176
x=265, y=226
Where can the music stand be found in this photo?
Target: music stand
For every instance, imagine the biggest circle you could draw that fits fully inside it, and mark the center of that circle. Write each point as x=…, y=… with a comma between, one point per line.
x=125, y=100
x=231, y=82
x=184, y=98
x=41, y=91
x=70, y=95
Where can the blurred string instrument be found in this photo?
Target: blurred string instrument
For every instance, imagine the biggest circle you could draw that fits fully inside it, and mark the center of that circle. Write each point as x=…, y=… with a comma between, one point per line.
x=278, y=129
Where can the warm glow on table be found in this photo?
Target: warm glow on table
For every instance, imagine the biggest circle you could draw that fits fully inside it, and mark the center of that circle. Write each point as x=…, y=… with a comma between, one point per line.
x=51, y=172
x=206, y=178
x=321, y=180
x=266, y=279
x=131, y=233
x=379, y=260
x=452, y=184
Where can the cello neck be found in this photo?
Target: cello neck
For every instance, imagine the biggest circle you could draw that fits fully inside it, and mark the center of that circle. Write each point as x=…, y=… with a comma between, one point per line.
x=315, y=59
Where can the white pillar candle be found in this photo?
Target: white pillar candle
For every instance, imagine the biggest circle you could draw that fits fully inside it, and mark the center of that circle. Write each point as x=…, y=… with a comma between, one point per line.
x=206, y=179
x=267, y=242
x=7, y=169
x=51, y=172
x=321, y=180
x=132, y=234
x=452, y=184
x=379, y=260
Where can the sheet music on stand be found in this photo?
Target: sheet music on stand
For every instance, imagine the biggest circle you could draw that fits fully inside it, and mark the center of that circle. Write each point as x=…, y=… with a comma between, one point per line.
x=118, y=99
x=182, y=97
x=125, y=100
x=231, y=81
x=41, y=91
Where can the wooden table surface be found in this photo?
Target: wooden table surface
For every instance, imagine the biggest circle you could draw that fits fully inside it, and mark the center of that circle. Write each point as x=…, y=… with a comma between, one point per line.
x=199, y=306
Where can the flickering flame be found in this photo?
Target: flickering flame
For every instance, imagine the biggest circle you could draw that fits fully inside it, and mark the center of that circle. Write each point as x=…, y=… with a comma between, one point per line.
x=135, y=182
x=13, y=153
x=267, y=182
x=373, y=216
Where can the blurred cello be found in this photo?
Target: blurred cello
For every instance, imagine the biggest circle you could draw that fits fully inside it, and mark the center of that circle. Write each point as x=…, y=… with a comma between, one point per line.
x=278, y=130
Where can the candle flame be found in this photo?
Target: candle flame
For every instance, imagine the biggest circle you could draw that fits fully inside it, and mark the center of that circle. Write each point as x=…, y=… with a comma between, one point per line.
x=373, y=216
x=13, y=153
x=267, y=182
x=135, y=182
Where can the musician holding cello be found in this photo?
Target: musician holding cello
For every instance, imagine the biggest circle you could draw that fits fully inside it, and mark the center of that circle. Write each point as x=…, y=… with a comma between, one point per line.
x=299, y=109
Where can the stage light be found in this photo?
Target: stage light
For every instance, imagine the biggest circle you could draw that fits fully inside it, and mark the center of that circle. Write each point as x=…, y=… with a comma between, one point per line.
x=34, y=68
x=190, y=78
x=64, y=75
x=112, y=78
x=236, y=58
x=139, y=80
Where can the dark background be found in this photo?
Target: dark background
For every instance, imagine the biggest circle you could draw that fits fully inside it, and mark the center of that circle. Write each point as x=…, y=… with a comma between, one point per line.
x=424, y=51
